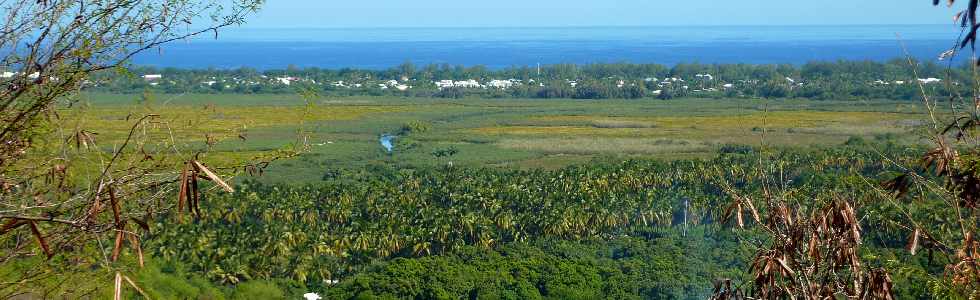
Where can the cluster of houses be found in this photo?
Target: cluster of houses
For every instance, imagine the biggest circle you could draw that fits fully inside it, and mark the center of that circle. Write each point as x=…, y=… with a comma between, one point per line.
x=673, y=81
x=394, y=84
x=445, y=84
x=403, y=85
x=495, y=83
x=701, y=82
x=929, y=80
x=155, y=79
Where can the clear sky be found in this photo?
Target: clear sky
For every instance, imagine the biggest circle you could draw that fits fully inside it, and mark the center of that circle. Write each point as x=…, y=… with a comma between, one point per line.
x=508, y=13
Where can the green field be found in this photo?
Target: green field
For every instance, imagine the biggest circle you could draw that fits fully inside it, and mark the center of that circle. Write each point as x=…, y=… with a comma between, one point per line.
x=344, y=132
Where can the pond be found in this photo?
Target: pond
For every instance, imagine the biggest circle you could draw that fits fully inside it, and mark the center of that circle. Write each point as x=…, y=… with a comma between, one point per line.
x=387, y=142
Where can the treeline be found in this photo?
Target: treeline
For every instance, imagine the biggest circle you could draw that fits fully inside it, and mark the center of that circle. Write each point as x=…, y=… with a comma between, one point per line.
x=815, y=80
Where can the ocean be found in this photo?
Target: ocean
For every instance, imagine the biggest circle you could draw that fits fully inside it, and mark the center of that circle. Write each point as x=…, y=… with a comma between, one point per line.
x=380, y=48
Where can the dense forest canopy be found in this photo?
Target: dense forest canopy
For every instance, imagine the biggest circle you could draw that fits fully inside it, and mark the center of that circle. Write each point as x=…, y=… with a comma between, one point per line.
x=636, y=229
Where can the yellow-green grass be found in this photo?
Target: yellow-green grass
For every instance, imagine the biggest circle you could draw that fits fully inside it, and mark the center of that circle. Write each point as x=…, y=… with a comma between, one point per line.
x=193, y=123
x=511, y=133
x=594, y=145
x=781, y=127
x=618, y=123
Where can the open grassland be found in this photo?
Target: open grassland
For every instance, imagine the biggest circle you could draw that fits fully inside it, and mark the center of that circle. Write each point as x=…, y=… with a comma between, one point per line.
x=680, y=134
x=344, y=132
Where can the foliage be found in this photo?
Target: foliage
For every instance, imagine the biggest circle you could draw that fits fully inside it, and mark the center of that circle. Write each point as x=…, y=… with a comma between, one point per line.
x=416, y=127
x=343, y=229
x=655, y=266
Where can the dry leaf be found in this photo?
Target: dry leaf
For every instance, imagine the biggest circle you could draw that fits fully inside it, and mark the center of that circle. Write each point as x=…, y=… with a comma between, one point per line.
x=135, y=241
x=117, y=294
x=115, y=208
x=138, y=289
x=913, y=244
x=118, y=246
x=213, y=177
x=40, y=239
x=782, y=263
x=182, y=196
x=738, y=216
x=755, y=213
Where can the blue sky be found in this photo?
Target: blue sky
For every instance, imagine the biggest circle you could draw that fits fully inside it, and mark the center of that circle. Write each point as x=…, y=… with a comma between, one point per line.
x=507, y=13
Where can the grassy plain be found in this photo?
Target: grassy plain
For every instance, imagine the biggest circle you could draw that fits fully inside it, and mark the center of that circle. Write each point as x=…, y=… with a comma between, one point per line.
x=344, y=132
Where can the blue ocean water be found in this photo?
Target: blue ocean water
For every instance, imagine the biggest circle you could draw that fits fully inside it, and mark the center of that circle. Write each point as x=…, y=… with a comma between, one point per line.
x=380, y=48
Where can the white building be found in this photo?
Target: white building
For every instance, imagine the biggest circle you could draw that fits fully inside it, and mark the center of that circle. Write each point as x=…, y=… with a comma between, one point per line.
x=500, y=84
x=467, y=84
x=311, y=296
x=151, y=77
x=444, y=84
x=930, y=80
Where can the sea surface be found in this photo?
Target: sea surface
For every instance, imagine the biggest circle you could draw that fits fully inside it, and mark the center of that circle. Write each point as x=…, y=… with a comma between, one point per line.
x=380, y=48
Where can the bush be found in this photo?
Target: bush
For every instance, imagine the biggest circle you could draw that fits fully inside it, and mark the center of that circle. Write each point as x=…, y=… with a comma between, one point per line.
x=735, y=149
x=257, y=290
x=415, y=127
x=170, y=282
x=855, y=141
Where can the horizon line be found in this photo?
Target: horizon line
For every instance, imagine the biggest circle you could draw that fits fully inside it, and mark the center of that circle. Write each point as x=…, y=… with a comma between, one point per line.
x=246, y=27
